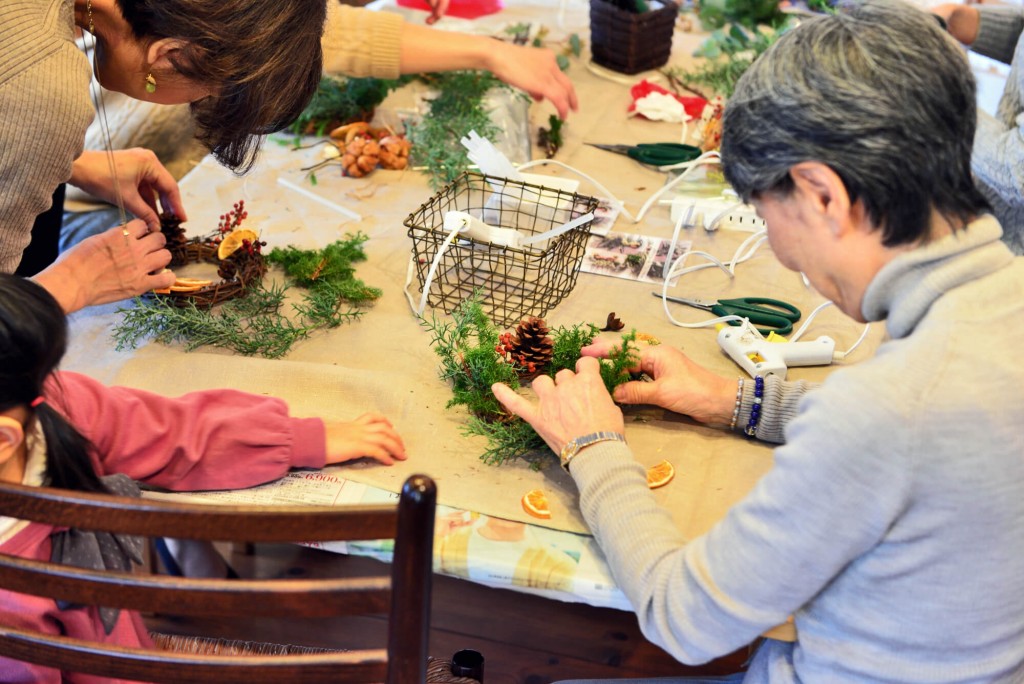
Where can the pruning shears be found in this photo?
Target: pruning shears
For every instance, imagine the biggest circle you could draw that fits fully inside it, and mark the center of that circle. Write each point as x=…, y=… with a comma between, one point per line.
x=655, y=154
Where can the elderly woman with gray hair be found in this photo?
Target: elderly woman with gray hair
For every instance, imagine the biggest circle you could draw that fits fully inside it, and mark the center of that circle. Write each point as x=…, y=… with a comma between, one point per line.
x=890, y=525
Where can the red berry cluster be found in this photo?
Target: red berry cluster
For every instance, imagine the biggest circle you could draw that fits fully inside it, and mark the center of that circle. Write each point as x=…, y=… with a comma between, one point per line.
x=253, y=247
x=507, y=350
x=234, y=218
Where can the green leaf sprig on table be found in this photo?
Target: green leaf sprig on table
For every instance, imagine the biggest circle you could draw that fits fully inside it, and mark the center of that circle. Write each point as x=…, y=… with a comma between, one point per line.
x=256, y=324
x=714, y=14
x=342, y=100
x=468, y=347
x=727, y=54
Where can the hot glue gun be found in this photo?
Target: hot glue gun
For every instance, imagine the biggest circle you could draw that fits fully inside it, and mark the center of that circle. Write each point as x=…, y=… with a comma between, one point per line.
x=759, y=356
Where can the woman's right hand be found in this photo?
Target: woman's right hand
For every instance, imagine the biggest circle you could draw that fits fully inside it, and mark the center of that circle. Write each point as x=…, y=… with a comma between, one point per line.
x=678, y=384
x=117, y=264
x=534, y=70
x=961, y=21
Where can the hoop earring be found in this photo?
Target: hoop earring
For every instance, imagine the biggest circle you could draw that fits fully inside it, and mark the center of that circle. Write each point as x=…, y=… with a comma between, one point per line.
x=150, y=83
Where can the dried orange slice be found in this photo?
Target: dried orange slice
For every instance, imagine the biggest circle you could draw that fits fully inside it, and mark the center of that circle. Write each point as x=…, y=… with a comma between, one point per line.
x=536, y=504
x=660, y=475
x=189, y=284
x=233, y=240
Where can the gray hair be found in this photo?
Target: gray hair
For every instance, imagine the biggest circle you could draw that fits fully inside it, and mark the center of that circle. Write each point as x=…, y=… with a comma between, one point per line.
x=880, y=94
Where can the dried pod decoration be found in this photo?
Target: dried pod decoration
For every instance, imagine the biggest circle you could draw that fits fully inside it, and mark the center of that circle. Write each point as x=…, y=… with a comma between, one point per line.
x=530, y=347
x=394, y=152
x=363, y=148
x=361, y=156
x=614, y=323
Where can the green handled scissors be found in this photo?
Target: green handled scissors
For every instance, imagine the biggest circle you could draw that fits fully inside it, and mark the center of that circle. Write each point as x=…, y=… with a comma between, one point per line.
x=776, y=315
x=655, y=154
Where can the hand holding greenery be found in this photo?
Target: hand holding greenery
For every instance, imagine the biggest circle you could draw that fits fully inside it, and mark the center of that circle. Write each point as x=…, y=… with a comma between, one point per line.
x=475, y=354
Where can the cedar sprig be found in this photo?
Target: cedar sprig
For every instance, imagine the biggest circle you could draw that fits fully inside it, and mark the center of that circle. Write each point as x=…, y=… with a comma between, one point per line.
x=469, y=361
x=469, y=346
x=508, y=441
x=457, y=110
x=256, y=324
x=329, y=270
x=567, y=343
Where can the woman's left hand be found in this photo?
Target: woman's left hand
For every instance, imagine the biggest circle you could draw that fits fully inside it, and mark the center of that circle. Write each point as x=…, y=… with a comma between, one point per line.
x=142, y=179
x=573, y=405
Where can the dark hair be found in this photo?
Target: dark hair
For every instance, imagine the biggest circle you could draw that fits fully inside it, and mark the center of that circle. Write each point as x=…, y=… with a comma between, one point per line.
x=877, y=92
x=263, y=59
x=33, y=337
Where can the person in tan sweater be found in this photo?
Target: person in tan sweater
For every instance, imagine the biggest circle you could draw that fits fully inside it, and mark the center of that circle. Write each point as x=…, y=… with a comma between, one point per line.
x=253, y=79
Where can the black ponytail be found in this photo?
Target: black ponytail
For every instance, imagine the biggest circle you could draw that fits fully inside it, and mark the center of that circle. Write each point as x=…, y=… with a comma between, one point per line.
x=33, y=338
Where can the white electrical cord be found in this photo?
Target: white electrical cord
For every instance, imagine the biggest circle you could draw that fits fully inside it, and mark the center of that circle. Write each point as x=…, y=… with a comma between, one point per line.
x=712, y=157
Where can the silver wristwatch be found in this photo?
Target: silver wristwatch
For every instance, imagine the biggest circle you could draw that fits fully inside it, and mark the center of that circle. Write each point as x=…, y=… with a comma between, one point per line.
x=574, y=447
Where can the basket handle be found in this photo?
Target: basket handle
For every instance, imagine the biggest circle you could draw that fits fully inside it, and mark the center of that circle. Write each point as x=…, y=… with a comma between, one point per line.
x=555, y=232
x=456, y=225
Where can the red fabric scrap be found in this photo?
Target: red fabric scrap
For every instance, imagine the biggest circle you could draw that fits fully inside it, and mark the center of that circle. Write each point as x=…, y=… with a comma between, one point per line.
x=693, y=106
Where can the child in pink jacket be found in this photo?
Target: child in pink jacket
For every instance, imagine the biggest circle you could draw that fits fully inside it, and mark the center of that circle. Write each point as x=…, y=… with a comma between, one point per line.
x=66, y=430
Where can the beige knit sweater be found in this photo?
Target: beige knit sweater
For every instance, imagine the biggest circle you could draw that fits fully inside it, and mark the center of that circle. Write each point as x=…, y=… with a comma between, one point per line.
x=45, y=106
x=44, y=112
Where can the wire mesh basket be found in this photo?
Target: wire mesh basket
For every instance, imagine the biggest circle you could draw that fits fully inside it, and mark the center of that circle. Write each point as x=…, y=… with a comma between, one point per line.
x=512, y=282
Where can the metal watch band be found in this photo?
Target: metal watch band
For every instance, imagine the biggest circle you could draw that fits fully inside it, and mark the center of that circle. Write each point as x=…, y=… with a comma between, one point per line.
x=574, y=446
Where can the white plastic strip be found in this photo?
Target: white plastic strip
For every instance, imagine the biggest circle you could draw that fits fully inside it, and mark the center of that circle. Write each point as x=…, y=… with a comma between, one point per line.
x=317, y=198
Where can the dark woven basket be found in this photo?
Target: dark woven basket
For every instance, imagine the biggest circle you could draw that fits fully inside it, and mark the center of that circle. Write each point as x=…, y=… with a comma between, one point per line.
x=628, y=42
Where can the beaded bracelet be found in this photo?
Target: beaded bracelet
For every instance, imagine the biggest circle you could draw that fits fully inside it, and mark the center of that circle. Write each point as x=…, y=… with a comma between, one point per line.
x=755, y=409
x=736, y=407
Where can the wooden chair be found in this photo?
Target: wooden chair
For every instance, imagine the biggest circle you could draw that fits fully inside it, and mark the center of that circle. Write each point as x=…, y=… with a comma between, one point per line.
x=406, y=594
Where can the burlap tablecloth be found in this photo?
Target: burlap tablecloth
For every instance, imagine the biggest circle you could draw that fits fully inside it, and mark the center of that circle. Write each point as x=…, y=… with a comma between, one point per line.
x=384, y=362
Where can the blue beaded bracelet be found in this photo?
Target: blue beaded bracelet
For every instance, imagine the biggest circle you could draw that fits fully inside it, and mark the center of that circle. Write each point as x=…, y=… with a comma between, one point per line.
x=755, y=410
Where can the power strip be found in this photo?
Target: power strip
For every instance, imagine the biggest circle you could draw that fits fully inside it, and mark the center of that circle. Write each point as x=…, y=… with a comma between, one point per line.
x=700, y=212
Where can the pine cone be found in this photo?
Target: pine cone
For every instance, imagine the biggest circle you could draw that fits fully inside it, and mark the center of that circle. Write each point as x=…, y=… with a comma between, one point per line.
x=530, y=347
x=170, y=226
x=227, y=269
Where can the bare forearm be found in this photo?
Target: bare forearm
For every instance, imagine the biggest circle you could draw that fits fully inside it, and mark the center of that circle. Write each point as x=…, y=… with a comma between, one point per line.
x=425, y=49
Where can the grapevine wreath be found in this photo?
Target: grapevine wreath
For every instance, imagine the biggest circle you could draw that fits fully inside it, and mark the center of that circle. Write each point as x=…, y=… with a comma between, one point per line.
x=236, y=251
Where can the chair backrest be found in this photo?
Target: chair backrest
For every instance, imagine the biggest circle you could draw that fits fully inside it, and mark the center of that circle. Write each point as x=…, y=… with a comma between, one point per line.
x=405, y=596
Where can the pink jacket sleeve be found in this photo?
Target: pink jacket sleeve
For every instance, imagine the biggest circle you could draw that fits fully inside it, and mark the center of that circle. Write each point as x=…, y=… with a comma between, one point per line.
x=214, y=439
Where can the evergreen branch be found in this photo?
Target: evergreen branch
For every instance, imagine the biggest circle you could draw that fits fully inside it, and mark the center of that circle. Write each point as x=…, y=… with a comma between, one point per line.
x=254, y=324
x=471, y=362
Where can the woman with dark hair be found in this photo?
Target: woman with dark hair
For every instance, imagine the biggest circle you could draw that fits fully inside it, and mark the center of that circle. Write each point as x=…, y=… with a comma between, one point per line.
x=247, y=68
x=66, y=430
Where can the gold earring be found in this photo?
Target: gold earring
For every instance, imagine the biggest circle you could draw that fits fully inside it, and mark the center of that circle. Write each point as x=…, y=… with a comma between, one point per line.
x=150, y=83
x=88, y=11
